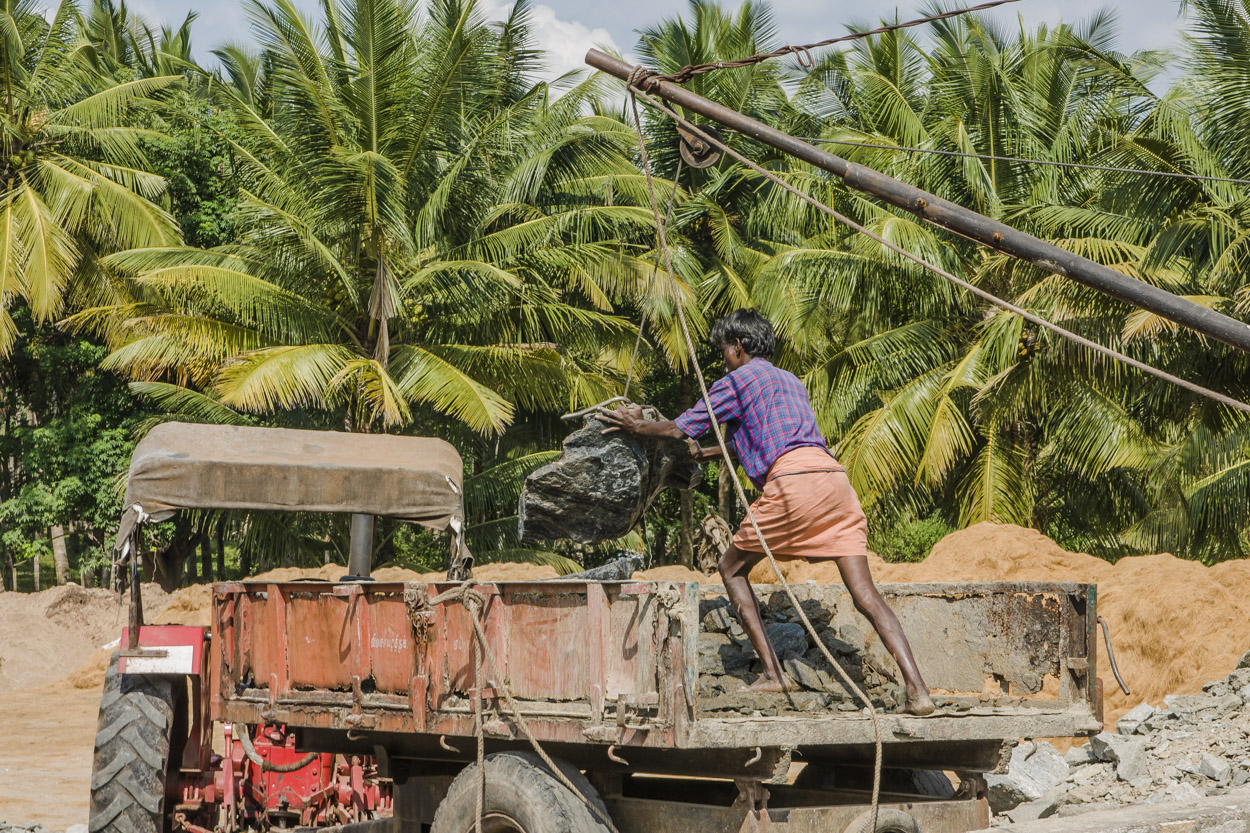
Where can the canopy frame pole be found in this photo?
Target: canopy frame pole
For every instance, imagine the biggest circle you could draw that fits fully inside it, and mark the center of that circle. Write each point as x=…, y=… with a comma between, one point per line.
x=360, y=554
x=945, y=214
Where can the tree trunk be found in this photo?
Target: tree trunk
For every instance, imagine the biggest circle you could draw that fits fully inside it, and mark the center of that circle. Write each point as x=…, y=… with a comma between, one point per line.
x=190, y=576
x=386, y=548
x=685, y=533
x=206, y=559
x=685, y=537
x=34, y=569
x=60, y=555
x=221, y=549
x=6, y=568
x=725, y=496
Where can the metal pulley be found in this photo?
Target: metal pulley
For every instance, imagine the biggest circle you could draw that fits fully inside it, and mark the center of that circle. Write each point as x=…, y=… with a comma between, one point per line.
x=697, y=153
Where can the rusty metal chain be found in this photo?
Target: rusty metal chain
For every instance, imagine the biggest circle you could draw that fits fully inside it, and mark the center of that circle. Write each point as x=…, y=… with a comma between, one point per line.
x=803, y=53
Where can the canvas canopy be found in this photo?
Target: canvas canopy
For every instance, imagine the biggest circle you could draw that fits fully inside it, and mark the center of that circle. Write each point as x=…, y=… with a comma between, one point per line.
x=183, y=466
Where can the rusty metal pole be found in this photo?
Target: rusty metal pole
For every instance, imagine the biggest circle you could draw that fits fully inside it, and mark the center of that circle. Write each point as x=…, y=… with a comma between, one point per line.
x=952, y=217
x=360, y=553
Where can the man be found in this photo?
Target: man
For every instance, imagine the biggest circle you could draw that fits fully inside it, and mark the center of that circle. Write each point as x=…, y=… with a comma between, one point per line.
x=807, y=508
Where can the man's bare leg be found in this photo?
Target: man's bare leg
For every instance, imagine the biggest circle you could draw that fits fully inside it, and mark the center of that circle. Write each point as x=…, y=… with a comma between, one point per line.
x=735, y=565
x=858, y=580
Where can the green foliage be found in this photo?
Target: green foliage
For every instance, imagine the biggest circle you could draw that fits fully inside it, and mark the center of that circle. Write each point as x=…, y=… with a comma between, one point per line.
x=377, y=219
x=66, y=436
x=906, y=538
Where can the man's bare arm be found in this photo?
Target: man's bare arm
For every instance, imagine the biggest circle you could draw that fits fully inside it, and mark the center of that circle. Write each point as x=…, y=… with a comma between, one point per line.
x=630, y=419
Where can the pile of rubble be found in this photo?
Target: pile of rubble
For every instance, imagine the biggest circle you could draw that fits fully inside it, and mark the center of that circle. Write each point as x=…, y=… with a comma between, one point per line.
x=1194, y=745
x=7, y=827
x=727, y=662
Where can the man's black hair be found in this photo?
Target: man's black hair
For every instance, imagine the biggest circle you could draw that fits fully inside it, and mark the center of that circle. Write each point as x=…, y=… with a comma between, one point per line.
x=747, y=326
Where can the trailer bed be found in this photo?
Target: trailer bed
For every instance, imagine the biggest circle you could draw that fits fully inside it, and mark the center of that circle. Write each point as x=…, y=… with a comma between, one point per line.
x=617, y=664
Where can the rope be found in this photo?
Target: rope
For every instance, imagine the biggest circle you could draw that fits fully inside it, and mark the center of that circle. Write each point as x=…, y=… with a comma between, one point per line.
x=684, y=74
x=724, y=450
x=474, y=602
x=668, y=217
x=1049, y=162
x=975, y=290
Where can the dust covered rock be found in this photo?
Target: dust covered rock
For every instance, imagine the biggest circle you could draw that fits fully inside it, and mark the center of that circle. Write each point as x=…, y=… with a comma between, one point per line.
x=601, y=485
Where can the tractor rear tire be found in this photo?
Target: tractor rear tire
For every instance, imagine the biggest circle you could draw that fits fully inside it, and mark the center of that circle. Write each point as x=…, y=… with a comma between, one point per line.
x=889, y=820
x=522, y=796
x=132, y=749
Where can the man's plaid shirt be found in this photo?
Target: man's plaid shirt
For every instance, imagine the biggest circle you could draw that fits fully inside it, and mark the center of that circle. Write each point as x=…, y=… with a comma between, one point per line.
x=767, y=412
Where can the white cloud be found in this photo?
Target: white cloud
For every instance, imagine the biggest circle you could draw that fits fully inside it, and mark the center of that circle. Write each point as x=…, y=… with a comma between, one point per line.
x=565, y=41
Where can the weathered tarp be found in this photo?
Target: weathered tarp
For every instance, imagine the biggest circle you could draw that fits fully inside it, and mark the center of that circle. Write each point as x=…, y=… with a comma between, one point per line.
x=183, y=466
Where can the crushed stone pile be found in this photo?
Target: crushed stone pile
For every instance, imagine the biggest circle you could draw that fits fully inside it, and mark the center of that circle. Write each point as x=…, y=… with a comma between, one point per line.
x=601, y=485
x=9, y=827
x=1187, y=747
x=727, y=661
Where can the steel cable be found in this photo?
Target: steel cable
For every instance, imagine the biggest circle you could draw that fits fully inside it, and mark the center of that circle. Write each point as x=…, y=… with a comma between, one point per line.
x=687, y=72
x=976, y=290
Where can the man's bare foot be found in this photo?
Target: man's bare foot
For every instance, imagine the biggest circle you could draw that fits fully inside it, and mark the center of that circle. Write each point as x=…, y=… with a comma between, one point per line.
x=918, y=703
x=767, y=683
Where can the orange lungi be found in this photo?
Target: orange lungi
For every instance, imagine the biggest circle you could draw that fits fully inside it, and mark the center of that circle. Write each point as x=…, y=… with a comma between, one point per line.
x=815, y=514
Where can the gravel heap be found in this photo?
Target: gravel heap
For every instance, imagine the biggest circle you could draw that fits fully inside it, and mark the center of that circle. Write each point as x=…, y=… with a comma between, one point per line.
x=1193, y=745
x=727, y=661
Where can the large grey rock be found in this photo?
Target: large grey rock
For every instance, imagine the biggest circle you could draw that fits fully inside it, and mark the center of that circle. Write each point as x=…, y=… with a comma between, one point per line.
x=1132, y=721
x=1244, y=662
x=720, y=655
x=719, y=618
x=601, y=485
x=1035, y=769
x=1215, y=768
x=1079, y=755
x=1128, y=754
x=1202, y=707
x=807, y=675
x=1042, y=808
x=618, y=569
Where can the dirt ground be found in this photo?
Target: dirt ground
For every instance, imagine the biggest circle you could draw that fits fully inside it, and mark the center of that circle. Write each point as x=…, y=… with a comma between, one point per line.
x=1176, y=625
x=46, y=738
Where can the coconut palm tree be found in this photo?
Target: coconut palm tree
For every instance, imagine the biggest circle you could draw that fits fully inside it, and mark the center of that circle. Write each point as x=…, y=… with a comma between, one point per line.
x=424, y=229
x=75, y=185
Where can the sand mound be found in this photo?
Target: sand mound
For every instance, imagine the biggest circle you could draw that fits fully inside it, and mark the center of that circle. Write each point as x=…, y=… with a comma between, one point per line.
x=44, y=635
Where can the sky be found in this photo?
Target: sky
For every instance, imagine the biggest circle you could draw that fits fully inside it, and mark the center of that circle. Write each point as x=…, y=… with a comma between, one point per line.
x=567, y=28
